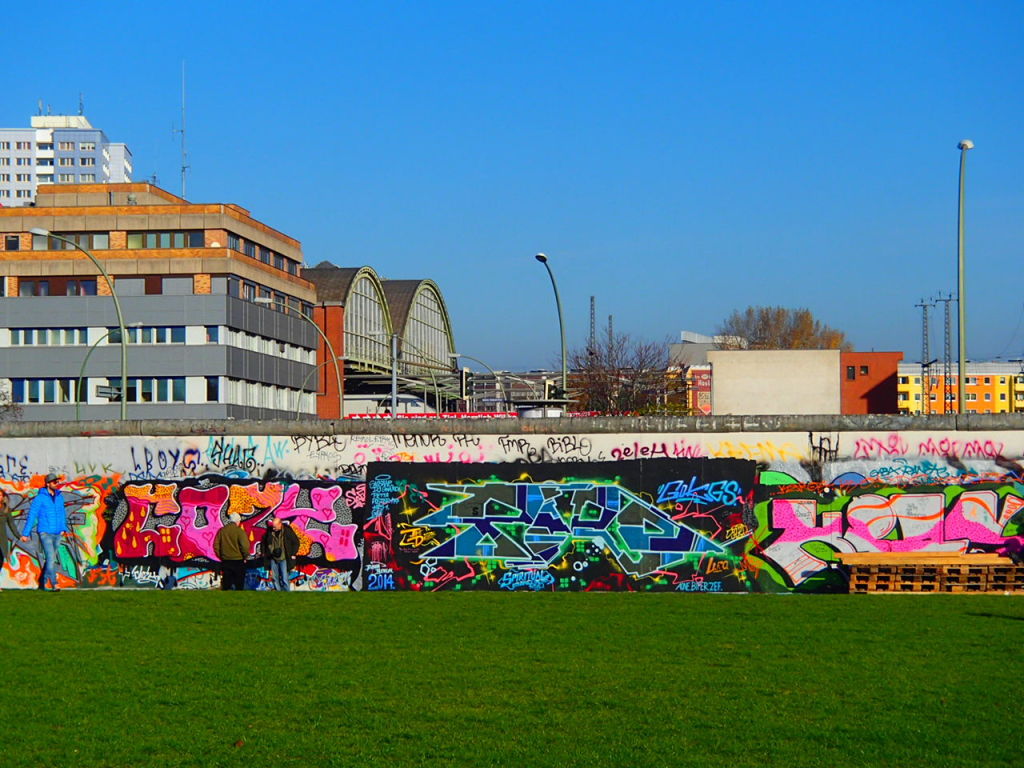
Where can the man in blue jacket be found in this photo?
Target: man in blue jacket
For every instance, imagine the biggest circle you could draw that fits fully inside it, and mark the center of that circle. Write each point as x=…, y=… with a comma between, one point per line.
x=48, y=511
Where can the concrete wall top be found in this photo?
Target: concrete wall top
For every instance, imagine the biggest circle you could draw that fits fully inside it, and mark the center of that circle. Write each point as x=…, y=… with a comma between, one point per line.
x=599, y=425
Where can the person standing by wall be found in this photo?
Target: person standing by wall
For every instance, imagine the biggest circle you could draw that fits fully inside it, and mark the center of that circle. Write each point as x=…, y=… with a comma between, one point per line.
x=6, y=525
x=231, y=545
x=279, y=546
x=48, y=511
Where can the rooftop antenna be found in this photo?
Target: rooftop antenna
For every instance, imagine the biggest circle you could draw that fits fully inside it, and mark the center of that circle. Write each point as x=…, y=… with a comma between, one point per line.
x=184, y=154
x=40, y=106
x=611, y=332
x=81, y=103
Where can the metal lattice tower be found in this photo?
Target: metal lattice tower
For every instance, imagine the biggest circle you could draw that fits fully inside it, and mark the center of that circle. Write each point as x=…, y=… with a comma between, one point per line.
x=947, y=360
x=593, y=327
x=926, y=358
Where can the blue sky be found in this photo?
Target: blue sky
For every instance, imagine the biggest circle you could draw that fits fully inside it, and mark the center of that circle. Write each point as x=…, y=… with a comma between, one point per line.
x=676, y=160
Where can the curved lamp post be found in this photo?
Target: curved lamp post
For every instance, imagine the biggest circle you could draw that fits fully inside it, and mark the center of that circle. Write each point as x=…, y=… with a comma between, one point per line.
x=334, y=358
x=81, y=371
x=501, y=387
x=961, y=291
x=543, y=259
x=117, y=309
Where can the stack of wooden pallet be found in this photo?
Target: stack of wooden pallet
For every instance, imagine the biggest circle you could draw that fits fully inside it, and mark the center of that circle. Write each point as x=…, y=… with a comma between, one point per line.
x=931, y=572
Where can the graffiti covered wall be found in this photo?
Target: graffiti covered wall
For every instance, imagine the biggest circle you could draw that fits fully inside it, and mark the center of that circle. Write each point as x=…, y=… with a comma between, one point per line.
x=384, y=511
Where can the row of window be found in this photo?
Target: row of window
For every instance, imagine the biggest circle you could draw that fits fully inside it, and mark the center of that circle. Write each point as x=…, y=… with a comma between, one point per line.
x=21, y=194
x=163, y=389
x=161, y=334
x=47, y=146
x=262, y=253
x=968, y=380
x=23, y=161
x=70, y=286
x=968, y=396
x=136, y=240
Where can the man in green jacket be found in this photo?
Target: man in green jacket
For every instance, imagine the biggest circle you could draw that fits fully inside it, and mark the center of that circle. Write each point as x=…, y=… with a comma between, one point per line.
x=231, y=545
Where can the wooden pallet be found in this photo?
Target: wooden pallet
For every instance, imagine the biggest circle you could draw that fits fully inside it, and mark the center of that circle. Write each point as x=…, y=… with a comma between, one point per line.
x=931, y=572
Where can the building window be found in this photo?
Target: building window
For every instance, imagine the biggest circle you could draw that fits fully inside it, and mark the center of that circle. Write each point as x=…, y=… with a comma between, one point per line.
x=988, y=396
x=5, y=145
x=188, y=239
x=5, y=177
x=212, y=389
x=95, y=241
x=917, y=396
x=44, y=390
x=34, y=288
x=903, y=396
x=933, y=397
x=23, y=145
x=66, y=178
x=86, y=287
x=1002, y=379
x=988, y=379
x=23, y=193
x=45, y=162
x=87, y=161
x=250, y=249
x=45, y=146
x=46, y=178
x=851, y=372
x=5, y=161
x=212, y=334
x=234, y=242
x=971, y=396
x=1002, y=395
x=87, y=146
x=65, y=161
x=87, y=178
x=153, y=390
x=863, y=370
x=12, y=243
x=66, y=146
x=23, y=177
x=23, y=161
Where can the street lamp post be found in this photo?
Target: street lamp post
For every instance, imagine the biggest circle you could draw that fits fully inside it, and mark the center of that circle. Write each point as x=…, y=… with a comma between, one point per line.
x=497, y=379
x=117, y=309
x=961, y=291
x=327, y=342
x=81, y=371
x=543, y=259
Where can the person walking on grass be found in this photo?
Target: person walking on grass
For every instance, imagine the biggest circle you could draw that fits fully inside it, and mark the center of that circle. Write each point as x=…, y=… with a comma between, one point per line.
x=231, y=545
x=48, y=511
x=279, y=547
x=6, y=525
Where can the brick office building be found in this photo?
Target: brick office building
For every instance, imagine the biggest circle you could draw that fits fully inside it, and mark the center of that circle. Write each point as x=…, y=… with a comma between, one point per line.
x=211, y=297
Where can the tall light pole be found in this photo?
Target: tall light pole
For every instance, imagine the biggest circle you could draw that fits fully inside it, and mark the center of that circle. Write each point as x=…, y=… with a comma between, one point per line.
x=543, y=259
x=330, y=349
x=961, y=292
x=117, y=309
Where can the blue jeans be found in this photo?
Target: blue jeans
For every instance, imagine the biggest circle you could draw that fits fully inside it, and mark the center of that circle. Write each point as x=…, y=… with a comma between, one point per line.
x=50, y=542
x=279, y=575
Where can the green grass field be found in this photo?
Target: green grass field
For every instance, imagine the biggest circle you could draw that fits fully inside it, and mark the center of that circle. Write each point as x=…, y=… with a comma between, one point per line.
x=152, y=678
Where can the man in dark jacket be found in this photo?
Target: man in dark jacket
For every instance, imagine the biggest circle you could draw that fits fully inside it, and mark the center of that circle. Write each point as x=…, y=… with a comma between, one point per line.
x=231, y=545
x=47, y=510
x=280, y=545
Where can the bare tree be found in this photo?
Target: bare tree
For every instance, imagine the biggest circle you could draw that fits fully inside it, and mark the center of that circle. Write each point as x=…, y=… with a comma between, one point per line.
x=9, y=410
x=778, y=328
x=621, y=375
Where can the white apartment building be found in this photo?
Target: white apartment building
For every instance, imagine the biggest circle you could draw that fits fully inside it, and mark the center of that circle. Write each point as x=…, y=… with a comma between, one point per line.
x=57, y=149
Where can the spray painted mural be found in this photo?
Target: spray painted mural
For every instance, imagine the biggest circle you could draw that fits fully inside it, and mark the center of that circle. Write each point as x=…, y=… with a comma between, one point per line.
x=646, y=525
x=610, y=509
